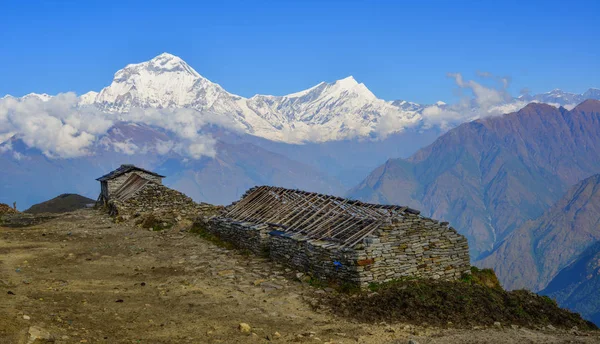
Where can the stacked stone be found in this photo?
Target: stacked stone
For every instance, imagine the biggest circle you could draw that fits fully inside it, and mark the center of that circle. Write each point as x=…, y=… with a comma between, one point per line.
x=322, y=259
x=243, y=235
x=408, y=246
x=160, y=201
x=413, y=246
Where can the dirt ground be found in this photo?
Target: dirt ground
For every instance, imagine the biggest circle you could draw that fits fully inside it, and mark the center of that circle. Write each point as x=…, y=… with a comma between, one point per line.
x=81, y=278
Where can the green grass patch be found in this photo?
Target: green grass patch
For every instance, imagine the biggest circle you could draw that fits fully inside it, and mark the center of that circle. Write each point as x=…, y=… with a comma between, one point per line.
x=476, y=299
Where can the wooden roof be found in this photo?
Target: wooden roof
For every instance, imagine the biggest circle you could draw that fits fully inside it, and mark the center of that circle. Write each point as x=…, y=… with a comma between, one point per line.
x=132, y=185
x=124, y=169
x=317, y=216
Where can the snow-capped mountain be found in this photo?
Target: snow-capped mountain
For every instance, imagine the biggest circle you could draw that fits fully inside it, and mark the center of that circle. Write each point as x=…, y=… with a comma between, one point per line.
x=39, y=96
x=562, y=98
x=327, y=111
x=340, y=110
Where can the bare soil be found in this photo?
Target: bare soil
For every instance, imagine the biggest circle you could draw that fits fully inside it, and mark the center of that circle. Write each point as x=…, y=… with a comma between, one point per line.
x=81, y=278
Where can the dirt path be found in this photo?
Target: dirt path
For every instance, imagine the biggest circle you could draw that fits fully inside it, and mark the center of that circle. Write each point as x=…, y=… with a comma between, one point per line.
x=83, y=279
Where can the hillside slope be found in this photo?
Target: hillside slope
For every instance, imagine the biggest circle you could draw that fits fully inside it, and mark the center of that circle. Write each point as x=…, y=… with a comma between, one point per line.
x=533, y=254
x=61, y=204
x=489, y=176
x=576, y=286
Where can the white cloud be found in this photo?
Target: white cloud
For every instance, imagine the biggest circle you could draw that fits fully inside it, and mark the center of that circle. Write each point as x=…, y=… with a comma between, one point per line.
x=62, y=129
x=478, y=101
x=17, y=155
x=5, y=136
x=127, y=147
x=5, y=147
x=392, y=123
x=56, y=126
x=164, y=147
x=187, y=125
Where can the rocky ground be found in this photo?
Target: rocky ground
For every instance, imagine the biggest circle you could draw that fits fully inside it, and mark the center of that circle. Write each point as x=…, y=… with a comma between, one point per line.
x=81, y=278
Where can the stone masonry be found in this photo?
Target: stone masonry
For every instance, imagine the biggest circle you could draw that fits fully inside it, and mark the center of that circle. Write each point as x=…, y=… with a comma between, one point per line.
x=409, y=246
x=160, y=201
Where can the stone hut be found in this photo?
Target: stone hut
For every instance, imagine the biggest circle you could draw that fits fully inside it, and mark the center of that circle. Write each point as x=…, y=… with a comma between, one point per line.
x=133, y=192
x=114, y=180
x=342, y=240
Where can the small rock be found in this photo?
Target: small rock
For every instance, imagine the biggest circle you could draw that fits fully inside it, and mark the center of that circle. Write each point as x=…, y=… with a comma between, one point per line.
x=551, y=328
x=497, y=324
x=271, y=285
x=259, y=281
x=276, y=335
x=412, y=341
x=226, y=272
x=244, y=328
x=36, y=332
x=299, y=275
x=26, y=317
x=514, y=327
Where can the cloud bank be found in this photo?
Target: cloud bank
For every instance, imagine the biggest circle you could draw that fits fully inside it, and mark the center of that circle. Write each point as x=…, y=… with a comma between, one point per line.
x=60, y=128
x=477, y=101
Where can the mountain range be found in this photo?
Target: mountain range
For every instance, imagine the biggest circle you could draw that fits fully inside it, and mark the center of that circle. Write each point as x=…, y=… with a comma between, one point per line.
x=344, y=109
x=524, y=187
x=487, y=177
x=328, y=111
x=517, y=176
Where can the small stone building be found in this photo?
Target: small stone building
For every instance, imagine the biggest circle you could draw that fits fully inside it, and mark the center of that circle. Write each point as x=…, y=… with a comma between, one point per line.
x=114, y=180
x=133, y=192
x=343, y=240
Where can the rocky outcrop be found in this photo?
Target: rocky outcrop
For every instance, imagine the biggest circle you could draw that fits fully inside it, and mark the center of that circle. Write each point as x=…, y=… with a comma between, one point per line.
x=6, y=209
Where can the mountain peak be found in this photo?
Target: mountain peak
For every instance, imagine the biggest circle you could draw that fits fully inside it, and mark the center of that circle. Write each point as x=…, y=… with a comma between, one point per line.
x=536, y=107
x=163, y=82
x=589, y=105
x=166, y=55
x=347, y=82
x=40, y=96
x=163, y=63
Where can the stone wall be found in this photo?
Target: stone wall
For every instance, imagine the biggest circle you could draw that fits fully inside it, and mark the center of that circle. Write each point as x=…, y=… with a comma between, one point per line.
x=321, y=259
x=160, y=201
x=408, y=246
x=115, y=183
x=413, y=246
x=243, y=235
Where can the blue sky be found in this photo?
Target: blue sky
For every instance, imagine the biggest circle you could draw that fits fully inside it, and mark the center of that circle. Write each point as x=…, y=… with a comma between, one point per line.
x=400, y=50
